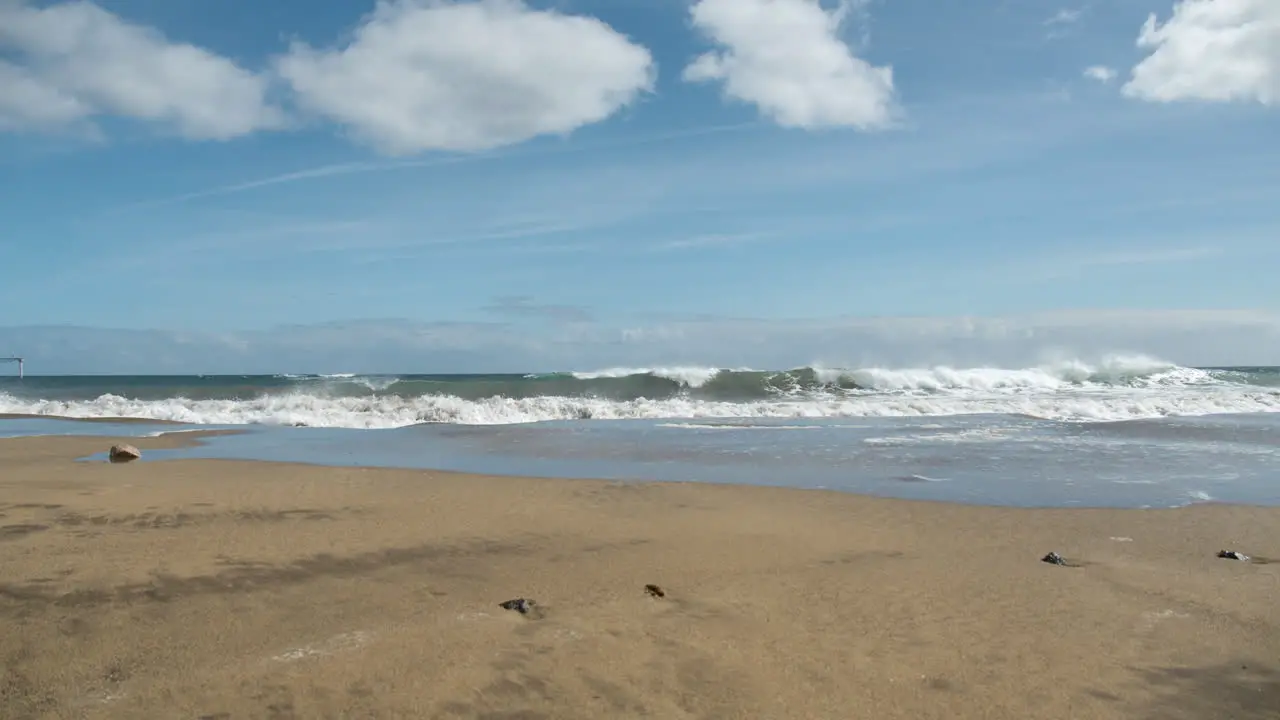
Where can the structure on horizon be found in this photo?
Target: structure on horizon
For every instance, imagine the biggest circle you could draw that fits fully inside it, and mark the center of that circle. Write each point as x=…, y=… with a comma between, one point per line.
x=18, y=360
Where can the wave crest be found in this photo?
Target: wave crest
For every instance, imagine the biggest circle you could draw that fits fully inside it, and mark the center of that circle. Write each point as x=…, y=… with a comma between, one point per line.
x=1119, y=388
x=1118, y=372
x=689, y=376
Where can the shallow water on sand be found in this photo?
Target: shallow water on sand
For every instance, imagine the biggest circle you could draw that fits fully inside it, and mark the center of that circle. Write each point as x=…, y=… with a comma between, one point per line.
x=989, y=460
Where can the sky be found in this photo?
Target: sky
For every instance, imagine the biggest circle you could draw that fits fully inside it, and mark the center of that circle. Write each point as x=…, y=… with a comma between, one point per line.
x=507, y=185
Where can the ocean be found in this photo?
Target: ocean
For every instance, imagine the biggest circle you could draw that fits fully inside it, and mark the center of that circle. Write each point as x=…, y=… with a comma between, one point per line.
x=1127, y=432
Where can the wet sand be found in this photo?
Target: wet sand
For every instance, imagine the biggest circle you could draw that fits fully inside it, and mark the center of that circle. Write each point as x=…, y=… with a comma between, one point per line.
x=219, y=589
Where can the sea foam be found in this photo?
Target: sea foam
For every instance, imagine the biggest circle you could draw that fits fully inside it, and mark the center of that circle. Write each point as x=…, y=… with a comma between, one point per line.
x=694, y=377
x=1121, y=388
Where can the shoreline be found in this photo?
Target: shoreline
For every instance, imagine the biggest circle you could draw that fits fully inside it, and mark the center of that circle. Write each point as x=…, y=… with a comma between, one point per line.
x=179, y=440
x=245, y=589
x=518, y=451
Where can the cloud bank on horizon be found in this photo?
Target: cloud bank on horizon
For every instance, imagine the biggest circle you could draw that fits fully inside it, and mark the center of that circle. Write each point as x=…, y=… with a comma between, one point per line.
x=527, y=184
x=419, y=75
x=574, y=342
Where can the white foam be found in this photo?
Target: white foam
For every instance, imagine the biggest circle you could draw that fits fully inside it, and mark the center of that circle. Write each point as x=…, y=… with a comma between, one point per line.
x=737, y=426
x=377, y=384
x=1130, y=371
x=1118, y=388
x=926, y=478
x=690, y=376
x=970, y=435
x=162, y=433
x=386, y=411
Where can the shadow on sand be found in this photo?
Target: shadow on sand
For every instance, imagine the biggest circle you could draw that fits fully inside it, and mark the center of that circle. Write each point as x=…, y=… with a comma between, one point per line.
x=1235, y=691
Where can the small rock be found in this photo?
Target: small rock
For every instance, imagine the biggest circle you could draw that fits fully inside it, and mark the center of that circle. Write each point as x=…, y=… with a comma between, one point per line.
x=523, y=606
x=654, y=591
x=1054, y=558
x=123, y=453
x=1232, y=555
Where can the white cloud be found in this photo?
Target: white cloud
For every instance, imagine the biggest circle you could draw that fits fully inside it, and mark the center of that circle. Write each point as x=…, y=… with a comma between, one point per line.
x=25, y=100
x=430, y=74
x=76, y=60
x=1211, y=50
x=1065, y=16
x=1101, y=73
x=787, y=58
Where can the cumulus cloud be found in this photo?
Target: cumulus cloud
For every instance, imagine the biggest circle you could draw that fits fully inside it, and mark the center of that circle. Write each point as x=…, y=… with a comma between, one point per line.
x=26, y=100
x=1101, y=73
x=416, y=75
x=73, y=61
x=1211, y=50
x=435, y=75
x=787, y=58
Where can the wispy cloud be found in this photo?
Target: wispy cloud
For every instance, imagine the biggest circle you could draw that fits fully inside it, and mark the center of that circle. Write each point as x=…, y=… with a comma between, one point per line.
x=715, y=240
x=287, y=237
x=1061, y=23
x=171, y=257
x=412, y=246
x=322, y=172
x=1148, y=257
x=525, y=307
x=1101, y=73
x=509, y=229
x=315, y=173
x=1063, y=265
x=1065, y=16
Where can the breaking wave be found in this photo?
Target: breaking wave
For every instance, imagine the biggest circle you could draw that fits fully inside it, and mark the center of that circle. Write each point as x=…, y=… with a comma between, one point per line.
x=1120, y=388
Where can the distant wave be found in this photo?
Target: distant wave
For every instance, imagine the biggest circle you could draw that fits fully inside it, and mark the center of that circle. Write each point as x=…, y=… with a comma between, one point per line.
x=1120, y=388
x=1126, y=371
x=693, y=377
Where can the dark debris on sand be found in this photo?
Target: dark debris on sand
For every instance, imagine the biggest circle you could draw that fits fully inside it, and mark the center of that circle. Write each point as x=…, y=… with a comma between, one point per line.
x=524, y=606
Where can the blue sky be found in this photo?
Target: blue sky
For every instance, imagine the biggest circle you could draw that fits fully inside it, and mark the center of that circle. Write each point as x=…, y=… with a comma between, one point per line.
x=583, y=182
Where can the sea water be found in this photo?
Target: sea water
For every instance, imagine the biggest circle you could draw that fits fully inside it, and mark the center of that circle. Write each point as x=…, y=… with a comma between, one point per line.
x=1128, y=433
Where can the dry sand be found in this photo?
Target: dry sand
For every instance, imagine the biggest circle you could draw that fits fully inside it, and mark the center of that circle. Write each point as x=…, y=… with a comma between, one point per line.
x=209, y=589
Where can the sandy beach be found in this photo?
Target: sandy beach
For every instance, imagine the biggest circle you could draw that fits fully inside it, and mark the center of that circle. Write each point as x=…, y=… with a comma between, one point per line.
x=219, y=589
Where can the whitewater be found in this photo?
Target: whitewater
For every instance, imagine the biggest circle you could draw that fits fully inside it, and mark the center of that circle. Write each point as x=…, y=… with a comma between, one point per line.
x=1119, y=388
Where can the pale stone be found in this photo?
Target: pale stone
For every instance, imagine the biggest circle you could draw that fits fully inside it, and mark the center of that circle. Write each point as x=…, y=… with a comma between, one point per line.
x=123, y=453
